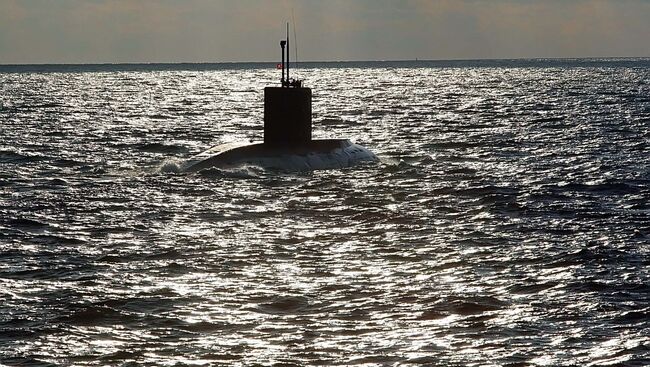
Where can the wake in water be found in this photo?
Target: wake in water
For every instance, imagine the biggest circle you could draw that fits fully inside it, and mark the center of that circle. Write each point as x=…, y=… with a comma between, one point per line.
x=243, y=171
x=170, y=165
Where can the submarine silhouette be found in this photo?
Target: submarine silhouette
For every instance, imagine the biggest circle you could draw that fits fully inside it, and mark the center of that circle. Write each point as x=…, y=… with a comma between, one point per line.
x=288, y=143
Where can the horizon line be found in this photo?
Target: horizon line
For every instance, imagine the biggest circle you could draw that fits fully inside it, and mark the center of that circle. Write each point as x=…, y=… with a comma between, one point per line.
x=322, y=61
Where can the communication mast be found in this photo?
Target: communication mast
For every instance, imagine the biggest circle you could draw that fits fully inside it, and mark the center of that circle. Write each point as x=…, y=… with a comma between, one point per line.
x=288, y=82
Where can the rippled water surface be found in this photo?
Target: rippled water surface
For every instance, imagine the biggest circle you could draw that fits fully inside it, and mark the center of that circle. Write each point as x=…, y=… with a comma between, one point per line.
x=507, y=224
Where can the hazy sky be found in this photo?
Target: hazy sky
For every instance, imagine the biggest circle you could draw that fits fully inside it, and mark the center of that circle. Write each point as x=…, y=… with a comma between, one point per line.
x=89, y=31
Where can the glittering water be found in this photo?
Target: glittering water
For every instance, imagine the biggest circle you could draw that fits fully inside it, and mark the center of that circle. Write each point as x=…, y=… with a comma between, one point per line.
x=508, y=223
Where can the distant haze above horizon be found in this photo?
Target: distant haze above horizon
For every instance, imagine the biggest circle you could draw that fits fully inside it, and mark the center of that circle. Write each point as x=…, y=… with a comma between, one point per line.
x=115, y=31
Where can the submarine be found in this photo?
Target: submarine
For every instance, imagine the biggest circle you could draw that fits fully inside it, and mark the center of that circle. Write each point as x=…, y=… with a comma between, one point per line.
x=288, y=143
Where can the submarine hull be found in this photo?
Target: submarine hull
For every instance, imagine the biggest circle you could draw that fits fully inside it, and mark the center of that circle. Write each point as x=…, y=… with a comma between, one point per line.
x=312, y=155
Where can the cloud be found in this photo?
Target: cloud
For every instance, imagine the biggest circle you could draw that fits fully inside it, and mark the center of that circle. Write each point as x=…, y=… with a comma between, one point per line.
x=550, y=28
x=69, y=31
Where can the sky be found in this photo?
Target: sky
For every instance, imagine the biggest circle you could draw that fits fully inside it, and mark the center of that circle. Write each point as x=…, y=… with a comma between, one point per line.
x=116, y=31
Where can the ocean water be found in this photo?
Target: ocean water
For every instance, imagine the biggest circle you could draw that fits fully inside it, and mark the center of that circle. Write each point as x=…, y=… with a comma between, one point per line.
x=508, y=223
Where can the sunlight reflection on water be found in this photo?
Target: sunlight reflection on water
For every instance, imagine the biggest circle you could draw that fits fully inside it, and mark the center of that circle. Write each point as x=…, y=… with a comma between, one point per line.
x=506, y=224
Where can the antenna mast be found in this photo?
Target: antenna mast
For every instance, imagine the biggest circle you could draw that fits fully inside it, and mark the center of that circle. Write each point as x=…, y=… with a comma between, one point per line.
x=295, y=38
x=283, y=43
x=288, y=53
x=287, y=82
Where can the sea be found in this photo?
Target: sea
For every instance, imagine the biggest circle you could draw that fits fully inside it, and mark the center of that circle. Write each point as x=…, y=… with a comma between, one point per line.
x=506, y=224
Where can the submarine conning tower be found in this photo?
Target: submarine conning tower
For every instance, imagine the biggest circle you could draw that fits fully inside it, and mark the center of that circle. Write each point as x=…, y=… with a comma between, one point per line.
x=287, y=145
x=287, y=109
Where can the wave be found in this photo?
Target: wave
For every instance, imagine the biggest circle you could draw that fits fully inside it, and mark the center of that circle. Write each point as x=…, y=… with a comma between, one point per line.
x=162, y=148
x=8, y=156
x=464, y=306
x=244, y=171
x=169, y=166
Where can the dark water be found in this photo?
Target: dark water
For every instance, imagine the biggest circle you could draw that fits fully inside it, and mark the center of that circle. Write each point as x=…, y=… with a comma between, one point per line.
x=508, y=223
